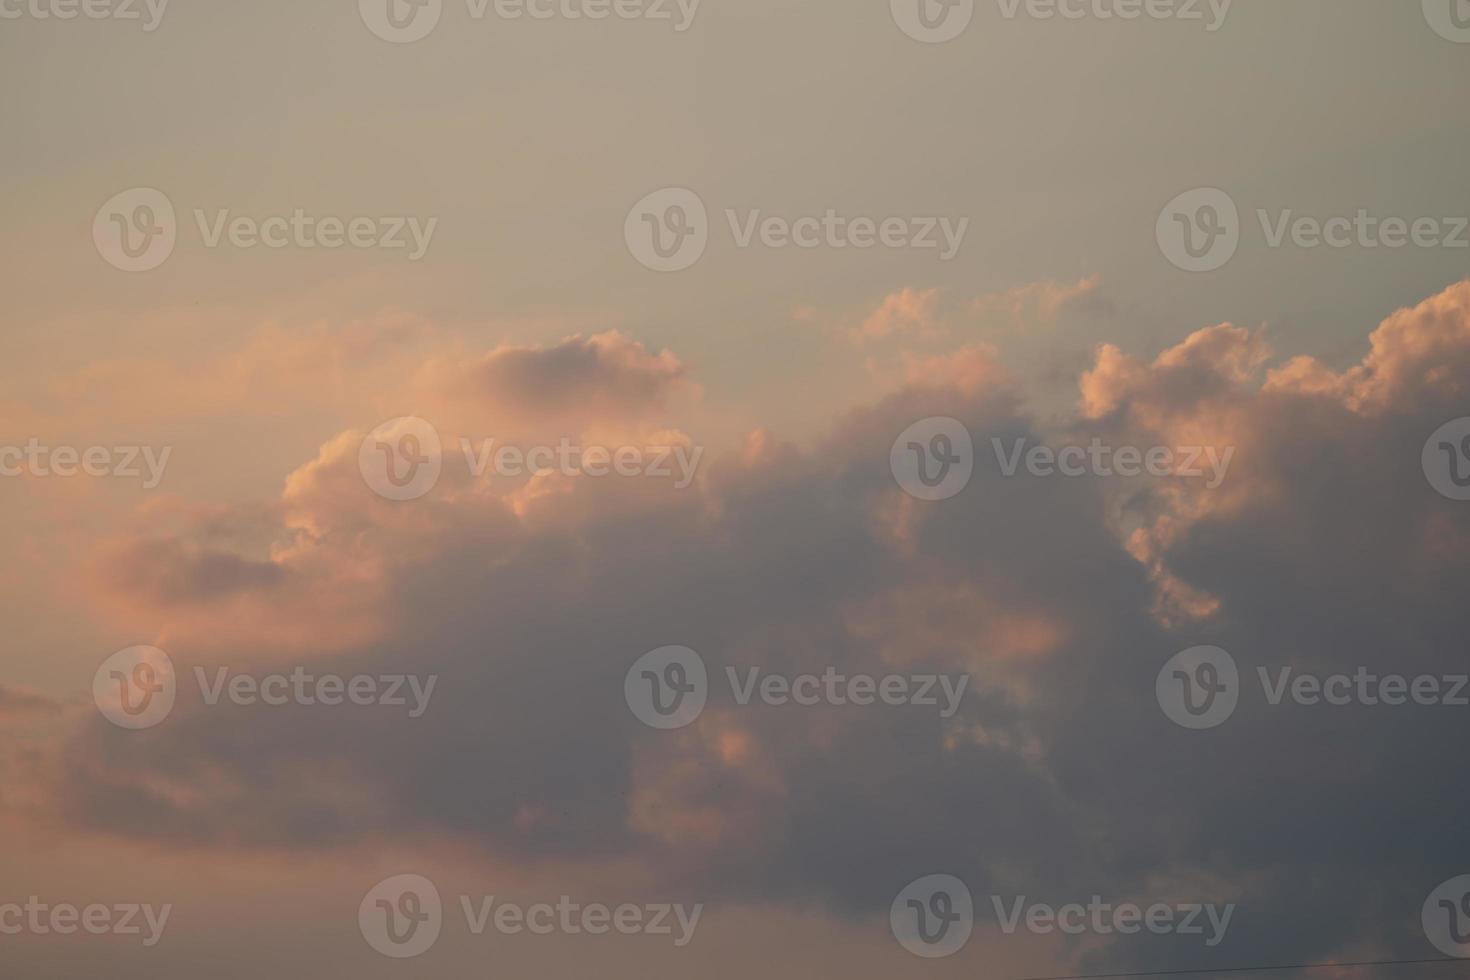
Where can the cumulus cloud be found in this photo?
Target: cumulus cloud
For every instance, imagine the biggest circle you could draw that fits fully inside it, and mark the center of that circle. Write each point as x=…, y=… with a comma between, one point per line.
x=1058, y=778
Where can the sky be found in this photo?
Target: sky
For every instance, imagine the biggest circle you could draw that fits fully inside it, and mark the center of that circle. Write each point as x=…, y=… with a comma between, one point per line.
x=954, y=488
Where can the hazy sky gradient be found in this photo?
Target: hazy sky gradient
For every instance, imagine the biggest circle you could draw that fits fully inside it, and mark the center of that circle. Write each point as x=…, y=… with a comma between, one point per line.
x=528, y=320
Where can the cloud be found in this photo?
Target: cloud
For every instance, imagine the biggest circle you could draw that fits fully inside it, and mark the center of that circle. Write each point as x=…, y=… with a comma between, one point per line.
x=1059, y=777
x=924, y=315
x=907, y=311
x=579, y=380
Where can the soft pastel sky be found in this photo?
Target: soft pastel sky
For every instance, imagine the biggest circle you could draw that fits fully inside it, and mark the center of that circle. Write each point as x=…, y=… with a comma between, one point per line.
x=528, y=320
